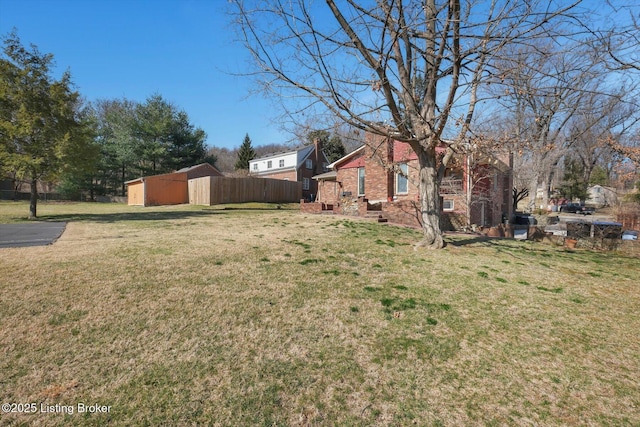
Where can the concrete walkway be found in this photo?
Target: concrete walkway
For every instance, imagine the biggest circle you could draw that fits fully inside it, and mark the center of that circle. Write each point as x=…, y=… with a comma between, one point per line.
x=30, y=234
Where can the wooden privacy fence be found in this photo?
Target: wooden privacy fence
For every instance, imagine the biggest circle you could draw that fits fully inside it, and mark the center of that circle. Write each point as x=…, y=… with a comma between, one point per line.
x=215, y=190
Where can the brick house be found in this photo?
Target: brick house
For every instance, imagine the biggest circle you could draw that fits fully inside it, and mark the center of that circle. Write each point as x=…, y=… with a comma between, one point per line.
x=379, y=179
x=296, y=165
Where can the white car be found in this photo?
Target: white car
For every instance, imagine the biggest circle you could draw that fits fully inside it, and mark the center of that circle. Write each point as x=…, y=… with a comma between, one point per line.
x=630, y=235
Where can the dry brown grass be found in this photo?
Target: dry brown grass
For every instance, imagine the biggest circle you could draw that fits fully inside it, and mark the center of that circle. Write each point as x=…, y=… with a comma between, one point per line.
x=191, y=316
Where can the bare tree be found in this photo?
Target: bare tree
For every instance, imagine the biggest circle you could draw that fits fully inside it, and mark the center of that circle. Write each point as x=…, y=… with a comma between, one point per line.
x=620, y=43
x=592, y=137
x=620, y=46
x=547, y=88
x=407, y=70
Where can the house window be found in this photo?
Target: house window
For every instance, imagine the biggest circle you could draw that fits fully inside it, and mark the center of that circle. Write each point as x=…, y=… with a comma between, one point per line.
x=325, y=166
x=281, y=163
x=305, y=183
x=360, y=181
x=255, y=166
x=447, y=205
x=269, y=164
x=309, y=164
x=402, y=182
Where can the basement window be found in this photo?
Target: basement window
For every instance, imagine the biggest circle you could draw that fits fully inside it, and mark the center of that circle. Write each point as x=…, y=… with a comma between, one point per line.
x=447, y=205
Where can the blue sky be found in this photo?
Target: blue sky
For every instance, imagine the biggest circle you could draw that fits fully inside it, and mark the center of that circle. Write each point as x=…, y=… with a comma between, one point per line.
x=182, y=49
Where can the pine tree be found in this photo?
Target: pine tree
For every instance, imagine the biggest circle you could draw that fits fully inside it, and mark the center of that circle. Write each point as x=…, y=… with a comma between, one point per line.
x=574, y=185
x=332, y=145
x=246, y=153
x=42, y=132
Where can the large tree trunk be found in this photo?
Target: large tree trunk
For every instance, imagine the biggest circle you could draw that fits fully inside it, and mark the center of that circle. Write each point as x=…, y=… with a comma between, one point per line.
x=34, y=199
x=429, y=190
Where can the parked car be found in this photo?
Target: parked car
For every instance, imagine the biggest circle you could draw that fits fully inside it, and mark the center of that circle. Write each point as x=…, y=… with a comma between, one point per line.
x=630, y=235
x=576, y=208
x=524, y=219
x=587, y=210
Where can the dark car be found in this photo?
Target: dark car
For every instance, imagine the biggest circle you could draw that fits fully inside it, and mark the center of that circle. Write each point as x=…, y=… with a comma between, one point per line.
x=576, y=208
x=524, y=219
x=571, y=207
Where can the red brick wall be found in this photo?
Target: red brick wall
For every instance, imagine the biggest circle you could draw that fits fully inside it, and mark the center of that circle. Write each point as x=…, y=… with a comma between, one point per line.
x=290, y=175
x=413, y=192
x=378, y=155
x=327, y=191
x=314, y=208
x=348, y=178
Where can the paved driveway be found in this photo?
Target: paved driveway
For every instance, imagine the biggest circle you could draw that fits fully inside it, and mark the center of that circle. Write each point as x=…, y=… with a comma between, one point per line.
x=30, y=234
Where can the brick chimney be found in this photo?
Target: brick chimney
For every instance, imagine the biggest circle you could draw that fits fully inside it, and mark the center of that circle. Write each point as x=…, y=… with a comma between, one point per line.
x=378, y=161
x=318, y=158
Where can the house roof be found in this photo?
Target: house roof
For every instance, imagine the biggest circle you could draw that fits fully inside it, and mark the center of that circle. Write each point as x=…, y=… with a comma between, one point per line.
x=346, y=157
x=302, y=154
x=331, y=175
x=282, y=153
x=142, y=178
x=183, y=170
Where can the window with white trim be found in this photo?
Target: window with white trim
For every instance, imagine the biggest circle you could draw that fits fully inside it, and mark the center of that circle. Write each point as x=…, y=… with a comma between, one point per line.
x=309, y=164
x=255, y=166
x=269, y=164
x=361, y=181
x=281, y=163
x=305, y=183
x=402, y=182
x=447, y=205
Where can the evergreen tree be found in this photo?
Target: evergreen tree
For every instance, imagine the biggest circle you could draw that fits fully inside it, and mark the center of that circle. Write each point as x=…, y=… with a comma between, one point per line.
x=42, y=132
x=332, y=145
x=246, y=153
x=144, y=139
x=598, y=176
x=574, y=186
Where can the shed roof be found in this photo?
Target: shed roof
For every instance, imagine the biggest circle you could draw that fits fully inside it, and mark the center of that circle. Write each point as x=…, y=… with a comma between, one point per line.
x=198, y=166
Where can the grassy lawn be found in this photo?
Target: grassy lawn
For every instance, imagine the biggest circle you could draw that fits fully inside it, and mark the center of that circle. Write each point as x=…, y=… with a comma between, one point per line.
x=203, y=316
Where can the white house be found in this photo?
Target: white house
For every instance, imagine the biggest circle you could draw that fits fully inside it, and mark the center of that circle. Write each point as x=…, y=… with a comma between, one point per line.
x=295, y=165
x=601, y=196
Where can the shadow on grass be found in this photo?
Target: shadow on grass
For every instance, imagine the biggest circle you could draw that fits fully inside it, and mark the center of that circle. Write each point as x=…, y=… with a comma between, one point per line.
x=472, y=240
x=154, y=215
x=129, y=216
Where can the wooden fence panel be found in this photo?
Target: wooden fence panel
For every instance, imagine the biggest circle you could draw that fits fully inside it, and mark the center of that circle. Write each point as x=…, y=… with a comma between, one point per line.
x=214, y=190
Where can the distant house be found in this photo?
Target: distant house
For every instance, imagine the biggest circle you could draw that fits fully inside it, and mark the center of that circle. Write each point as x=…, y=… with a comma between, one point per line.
x=601, y=196
x=295, y=165
x=166, y=189
x=379, y=179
